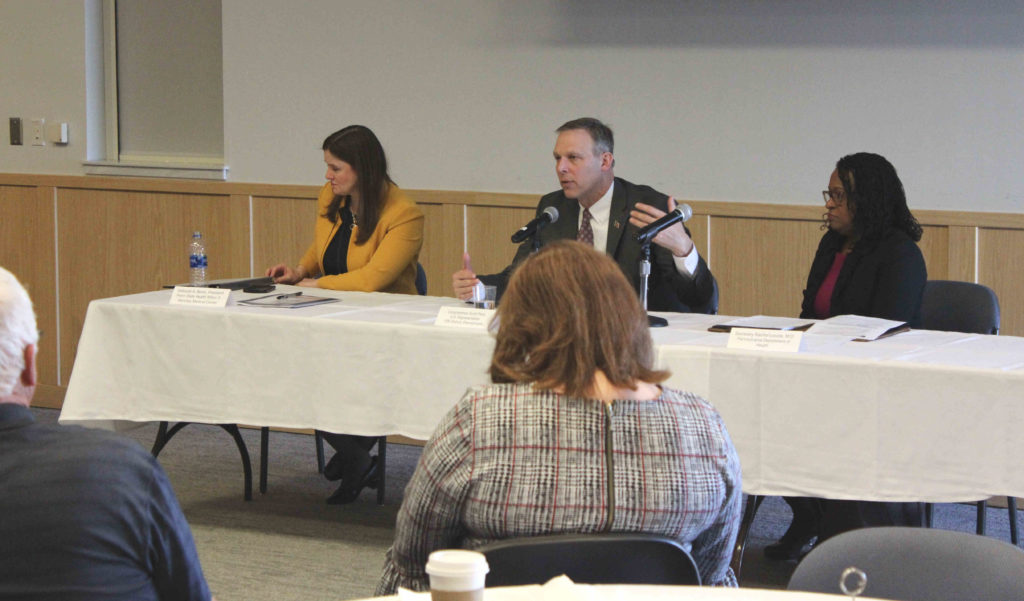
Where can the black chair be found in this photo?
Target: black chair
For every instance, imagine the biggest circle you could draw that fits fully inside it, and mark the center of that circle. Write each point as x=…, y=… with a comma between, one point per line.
x=953, y=306
x=915, y=564
x=318, y=439
x=619, y=558
x=421, y=280
x=959, y=307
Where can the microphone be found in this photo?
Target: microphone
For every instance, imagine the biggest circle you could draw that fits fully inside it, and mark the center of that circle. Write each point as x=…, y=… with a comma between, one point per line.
x=647, y=233
x=550, y=215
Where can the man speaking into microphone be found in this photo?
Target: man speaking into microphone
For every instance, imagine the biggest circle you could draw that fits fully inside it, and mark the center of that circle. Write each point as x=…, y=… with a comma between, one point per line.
x=595, y=207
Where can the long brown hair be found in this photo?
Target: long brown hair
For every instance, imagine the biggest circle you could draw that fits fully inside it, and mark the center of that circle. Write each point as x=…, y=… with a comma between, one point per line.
x=357, y=146
x=568, y=312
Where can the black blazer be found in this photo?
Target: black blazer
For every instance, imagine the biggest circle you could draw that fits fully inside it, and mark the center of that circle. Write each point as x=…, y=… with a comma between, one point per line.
x=884, y=278
x=667, y=289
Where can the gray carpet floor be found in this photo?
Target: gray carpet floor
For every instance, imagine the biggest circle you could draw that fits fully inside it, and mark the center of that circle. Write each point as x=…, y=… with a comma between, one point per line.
x=288, y=544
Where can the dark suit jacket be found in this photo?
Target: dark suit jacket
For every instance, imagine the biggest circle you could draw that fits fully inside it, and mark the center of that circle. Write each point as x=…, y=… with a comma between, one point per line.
x=884, y=278
x=667, y=289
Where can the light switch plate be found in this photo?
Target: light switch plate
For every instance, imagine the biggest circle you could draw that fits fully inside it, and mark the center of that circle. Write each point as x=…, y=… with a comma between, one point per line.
x=16, y=131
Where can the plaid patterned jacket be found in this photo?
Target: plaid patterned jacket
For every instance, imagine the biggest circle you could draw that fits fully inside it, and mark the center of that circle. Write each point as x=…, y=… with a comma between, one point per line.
x=509, y=461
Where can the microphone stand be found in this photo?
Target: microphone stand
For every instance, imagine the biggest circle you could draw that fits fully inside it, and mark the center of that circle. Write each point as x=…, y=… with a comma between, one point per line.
x=535, y=242
x=645, y=272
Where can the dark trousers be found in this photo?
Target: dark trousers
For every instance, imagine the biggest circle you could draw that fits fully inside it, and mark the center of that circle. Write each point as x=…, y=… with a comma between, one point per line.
x=353, y=453
x=826, y=518
x=841, y=516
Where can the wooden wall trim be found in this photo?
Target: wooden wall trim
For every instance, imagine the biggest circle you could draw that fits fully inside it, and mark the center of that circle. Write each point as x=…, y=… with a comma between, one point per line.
x=164, y=185
x=480, y=198
x=483, y=199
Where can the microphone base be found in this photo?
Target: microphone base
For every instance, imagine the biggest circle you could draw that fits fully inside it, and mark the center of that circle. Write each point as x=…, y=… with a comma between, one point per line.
x=654, y=321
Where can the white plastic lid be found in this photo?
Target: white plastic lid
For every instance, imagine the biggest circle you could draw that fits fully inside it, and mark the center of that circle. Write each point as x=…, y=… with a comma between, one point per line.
x=456, y=562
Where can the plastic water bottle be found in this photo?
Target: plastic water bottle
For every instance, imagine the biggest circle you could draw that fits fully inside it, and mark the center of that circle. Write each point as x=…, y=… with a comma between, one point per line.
x=197, y=260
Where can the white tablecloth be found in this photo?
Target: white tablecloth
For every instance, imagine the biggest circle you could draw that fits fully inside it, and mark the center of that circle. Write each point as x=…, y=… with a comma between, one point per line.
x=931, y=416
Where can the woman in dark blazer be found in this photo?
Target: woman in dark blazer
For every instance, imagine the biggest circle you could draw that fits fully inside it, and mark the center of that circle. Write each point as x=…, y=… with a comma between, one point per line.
x=867, y=263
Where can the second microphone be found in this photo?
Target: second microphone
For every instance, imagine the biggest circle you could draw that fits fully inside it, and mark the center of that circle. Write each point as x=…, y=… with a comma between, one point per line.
x=647, y=233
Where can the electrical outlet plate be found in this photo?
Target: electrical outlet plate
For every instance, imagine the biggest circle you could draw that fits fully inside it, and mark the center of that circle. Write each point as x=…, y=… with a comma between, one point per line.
x=16, y=131
x=36, y=132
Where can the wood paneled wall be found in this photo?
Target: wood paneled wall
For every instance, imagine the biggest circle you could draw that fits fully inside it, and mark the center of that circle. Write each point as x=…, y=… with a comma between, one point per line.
x=27, y=233
x=72, y=239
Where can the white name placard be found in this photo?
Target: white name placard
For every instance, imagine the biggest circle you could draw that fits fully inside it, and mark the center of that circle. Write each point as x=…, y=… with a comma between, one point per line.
x=464, y=317
x=200, y=297
x=784, y=341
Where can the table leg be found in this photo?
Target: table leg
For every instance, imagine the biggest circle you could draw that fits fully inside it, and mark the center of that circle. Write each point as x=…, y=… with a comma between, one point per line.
x=164, y=435
x=382, y=461
x=1011, y=507
x=232, y=429
x=264, y=449
x=982, y=514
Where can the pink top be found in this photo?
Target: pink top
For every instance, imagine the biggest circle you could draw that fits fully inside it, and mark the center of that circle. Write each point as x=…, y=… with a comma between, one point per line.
x=823, y=300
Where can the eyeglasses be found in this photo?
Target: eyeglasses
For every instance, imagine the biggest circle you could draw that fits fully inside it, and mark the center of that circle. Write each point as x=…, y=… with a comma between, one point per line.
x=837, y=196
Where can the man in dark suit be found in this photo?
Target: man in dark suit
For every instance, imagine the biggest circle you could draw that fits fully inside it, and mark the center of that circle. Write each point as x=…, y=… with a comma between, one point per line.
x=598, y=208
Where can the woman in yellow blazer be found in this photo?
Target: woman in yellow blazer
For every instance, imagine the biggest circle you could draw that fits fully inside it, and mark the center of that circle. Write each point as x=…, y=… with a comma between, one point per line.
x=367, y=237
x=368, y=233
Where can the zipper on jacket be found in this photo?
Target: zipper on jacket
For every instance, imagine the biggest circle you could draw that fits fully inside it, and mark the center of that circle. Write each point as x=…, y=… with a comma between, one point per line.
x=609, y=460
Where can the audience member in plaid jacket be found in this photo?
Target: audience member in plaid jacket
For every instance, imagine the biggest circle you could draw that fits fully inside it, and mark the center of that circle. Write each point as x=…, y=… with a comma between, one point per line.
x=575, y=434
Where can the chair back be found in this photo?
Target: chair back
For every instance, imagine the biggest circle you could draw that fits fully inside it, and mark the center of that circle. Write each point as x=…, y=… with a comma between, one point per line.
x=421, y=280
x=618, y=558
x=916, y=564
x=959, y=307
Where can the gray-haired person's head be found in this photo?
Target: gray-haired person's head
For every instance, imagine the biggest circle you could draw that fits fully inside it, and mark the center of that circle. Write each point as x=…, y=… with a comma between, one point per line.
x=17, y=329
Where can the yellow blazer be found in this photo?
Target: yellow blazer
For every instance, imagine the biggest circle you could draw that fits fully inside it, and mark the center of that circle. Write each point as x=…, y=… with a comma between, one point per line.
x=386, y=262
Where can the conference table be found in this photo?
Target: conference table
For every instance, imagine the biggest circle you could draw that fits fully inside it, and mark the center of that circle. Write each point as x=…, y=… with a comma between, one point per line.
x=919, y=416
x=557, y=591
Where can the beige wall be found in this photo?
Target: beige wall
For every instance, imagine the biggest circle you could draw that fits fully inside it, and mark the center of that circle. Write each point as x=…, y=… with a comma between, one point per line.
x=73, y=239
x=721, y=100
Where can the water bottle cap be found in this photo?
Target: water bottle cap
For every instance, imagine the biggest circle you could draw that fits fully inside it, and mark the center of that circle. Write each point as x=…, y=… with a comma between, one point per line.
x=196, y=234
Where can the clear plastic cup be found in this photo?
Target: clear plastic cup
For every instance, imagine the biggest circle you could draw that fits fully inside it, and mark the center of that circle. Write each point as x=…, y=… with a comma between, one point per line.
x=484, y=296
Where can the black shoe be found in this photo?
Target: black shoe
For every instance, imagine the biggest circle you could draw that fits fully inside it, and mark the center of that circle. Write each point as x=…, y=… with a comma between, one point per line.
x=791, y=546
x=347, y=493
x=788, y=551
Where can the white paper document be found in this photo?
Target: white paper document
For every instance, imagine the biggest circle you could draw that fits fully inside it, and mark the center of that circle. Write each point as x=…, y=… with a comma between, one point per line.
x=857, y=327
x=291, y=300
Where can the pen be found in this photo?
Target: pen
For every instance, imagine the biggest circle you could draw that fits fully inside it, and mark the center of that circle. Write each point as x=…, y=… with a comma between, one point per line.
x=280, y=296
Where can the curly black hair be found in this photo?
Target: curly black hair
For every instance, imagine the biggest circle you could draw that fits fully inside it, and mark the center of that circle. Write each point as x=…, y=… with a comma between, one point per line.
x=874, y=194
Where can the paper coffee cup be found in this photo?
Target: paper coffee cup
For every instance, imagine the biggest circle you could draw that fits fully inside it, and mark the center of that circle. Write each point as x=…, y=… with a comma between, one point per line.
x=457, y=575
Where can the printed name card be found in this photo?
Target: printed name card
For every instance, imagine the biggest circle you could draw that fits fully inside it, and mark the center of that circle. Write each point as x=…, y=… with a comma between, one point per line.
x=464, y=317
x=784, y=341
x=200, y=297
